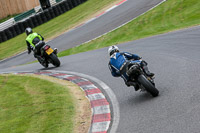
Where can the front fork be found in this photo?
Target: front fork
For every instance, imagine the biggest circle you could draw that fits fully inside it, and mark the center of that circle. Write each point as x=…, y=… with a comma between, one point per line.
x=151, y=79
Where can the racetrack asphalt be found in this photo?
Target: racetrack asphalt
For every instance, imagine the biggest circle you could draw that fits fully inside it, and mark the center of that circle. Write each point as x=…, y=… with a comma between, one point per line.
x=173, y=57
x=109, y=21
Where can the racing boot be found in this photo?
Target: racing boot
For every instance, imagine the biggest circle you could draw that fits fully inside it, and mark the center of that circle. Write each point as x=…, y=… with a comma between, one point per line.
x=44, y=63
x=148, y=73
x=132, y=83
x=40, y=59
x=136, y=87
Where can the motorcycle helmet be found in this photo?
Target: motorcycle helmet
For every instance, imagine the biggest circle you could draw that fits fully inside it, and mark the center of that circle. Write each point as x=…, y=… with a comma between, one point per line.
x=112, y=50
x=28, y=31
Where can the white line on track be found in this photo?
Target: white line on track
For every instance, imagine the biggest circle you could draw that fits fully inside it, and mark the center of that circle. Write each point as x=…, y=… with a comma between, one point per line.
x=115, y=104
x=94, y=19
x=110, y=93
x=125, y=23
x=106, y=88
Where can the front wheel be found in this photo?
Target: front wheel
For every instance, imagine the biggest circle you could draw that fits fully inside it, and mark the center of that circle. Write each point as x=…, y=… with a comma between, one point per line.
x=148, y=85
x=54, y=59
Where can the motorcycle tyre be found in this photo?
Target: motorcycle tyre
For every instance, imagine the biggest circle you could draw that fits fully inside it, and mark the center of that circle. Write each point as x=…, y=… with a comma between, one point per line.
x=148, y=85
x=55, y=60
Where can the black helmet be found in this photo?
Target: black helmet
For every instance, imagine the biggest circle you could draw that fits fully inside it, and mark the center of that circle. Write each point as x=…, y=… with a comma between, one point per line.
x=28, y=31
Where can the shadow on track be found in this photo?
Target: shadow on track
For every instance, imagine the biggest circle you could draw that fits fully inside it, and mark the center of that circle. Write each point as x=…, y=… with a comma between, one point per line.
x=49, y=68
x=140, y=98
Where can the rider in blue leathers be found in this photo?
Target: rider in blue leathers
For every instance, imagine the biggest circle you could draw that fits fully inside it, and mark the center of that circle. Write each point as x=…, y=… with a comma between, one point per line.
x=118, y=63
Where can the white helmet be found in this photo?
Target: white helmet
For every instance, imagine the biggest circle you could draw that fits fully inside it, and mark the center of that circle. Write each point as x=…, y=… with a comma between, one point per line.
x=28, y=31
x=112, y=50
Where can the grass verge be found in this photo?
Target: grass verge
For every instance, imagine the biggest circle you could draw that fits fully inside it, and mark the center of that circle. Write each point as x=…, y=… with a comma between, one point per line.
x=32, y=104
x=57, y=25
x=169, y=16
x=8, y=17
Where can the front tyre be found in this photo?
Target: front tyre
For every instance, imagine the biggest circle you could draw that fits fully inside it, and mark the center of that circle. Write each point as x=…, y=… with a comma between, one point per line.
x=54, y=59
x=148, y=85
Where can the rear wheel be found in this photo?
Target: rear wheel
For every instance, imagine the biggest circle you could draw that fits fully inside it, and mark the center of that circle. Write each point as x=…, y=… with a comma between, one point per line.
x=55, y=60
x=148, y=85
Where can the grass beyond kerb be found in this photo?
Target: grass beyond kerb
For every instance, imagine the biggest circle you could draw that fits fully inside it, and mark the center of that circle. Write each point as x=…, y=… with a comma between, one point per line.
x=169, y=16
x=30, y=104
x=56, y=26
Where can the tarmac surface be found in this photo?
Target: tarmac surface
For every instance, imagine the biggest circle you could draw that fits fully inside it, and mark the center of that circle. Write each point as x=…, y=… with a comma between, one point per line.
x=174, y=58
x=105, y=23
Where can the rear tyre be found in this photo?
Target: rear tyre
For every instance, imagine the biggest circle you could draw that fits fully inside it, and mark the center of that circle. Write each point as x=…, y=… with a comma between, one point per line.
x=55, y=60
x=148, y=85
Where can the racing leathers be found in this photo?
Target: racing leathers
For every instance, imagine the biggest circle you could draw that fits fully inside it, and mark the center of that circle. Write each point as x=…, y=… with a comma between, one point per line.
x=33, y=39
x=118, y=63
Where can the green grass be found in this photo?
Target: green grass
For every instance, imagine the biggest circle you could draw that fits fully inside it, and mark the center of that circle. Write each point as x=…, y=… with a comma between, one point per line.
x=8, y=17
x=30, y=104
x=56, y=26
x=169, y=16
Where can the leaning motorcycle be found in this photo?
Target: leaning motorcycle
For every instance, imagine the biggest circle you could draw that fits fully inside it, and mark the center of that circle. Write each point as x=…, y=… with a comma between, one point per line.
x=144, y=82
x=48, y=55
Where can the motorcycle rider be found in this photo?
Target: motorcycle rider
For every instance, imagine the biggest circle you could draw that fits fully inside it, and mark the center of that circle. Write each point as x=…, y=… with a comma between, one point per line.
x=119, y=62
x=32, y=40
